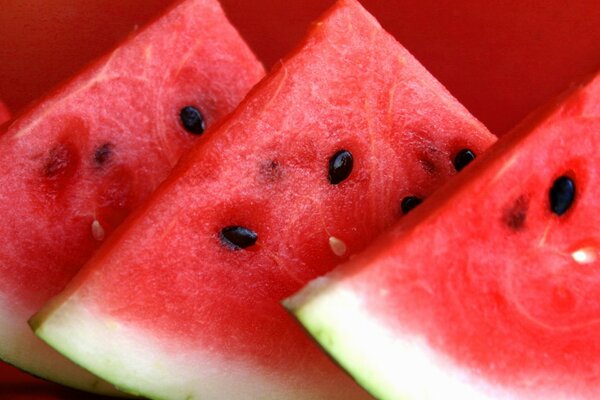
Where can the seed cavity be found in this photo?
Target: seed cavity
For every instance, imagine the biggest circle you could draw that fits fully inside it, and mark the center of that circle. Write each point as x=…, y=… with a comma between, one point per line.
x=103, y=154
x=237, y=237
x=61, y=160
x=192, y=120
x=98, y=232
x=409, y=202
x=270, y=171
x=516, y=214
x=562, y=195
x=116, y=196
x=427, y=165
x=340, y=166
x=338, y=247
x=463, y=158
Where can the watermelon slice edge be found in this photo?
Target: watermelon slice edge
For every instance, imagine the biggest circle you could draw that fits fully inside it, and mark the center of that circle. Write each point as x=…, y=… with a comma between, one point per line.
x=465, y=321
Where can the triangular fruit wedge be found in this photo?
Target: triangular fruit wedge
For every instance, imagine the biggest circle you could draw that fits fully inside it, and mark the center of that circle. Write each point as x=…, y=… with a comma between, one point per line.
x=78, y=162
x=491, y=289
x=4, y=113
x=343, y=138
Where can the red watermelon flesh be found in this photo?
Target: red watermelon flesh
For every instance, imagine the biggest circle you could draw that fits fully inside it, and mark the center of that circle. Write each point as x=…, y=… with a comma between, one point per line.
x=184, y=300
x=93, y=151
x=490, y=289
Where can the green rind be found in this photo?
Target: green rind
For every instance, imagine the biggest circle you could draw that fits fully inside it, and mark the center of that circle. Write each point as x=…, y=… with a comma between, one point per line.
x=69, y=332
x=17, y=333
x=55, y=323
x=155, y=368
x=376, y=357
x=318, y=316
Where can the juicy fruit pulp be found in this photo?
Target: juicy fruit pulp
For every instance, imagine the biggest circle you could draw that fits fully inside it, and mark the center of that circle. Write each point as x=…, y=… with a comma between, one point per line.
x=91, y=153
x=491, y=289
x=186, y=299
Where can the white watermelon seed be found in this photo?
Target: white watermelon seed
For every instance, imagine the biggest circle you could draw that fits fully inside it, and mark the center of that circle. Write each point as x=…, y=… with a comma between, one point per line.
x=97, y=231
x=337, y=246
x=585, y=255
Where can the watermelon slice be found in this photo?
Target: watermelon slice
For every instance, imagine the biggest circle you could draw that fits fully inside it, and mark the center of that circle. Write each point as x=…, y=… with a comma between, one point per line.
x=490, y=289
x=81, y=160
x=342, y=139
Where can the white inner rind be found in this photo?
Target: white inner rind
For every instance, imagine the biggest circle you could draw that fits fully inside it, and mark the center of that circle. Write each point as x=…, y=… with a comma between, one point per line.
x=140, y=364
x=391, y=365
x=38, y=358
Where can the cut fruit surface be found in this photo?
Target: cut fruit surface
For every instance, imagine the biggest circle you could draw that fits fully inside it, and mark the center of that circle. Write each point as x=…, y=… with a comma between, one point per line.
x=85, y=157
x=490, y=289
x=184, y=301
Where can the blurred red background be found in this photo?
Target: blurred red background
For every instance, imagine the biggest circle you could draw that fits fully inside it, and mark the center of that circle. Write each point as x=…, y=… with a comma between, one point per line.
x=16, y=385
x=500, y=58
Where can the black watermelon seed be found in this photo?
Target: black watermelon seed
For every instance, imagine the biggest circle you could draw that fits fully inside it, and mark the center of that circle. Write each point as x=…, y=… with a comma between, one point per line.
x=410, y=202
x=463, y=158
x=192, y=120
x=238, y=237
x=103, y=153
x=562, y=195
x=340, y=166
